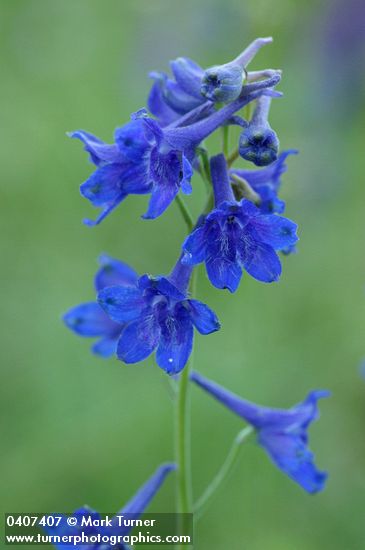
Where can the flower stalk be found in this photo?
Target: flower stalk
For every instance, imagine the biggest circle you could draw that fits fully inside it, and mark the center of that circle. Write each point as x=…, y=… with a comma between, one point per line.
x=223, y=473
x=183, y=439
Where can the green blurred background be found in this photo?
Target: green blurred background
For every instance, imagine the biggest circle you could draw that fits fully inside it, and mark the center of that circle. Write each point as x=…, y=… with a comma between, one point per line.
x=77, y=429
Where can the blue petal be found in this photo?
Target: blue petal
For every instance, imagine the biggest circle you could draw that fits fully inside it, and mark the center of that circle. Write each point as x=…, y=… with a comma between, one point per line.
x=105, y=212
x=223, y=267
x=291, y=455
x=131, y=140
x=109, y=185
x=224, y=272
x=276, y=231
x=269, y=173
x=139, y=502
x=204, y=319
x=187, y=172
x=177, y=99
x=266, y=182
x=248, y=208
x=89, y=320
x=161, y=198
x=168, y=171
x=246, y=410
x=157, y=105
x=260, y=261
x=307, y=411
x=188, y=75
x=139, y=339
x=161, y=285
x=114, y=272
x=121, y=303
x=106, y=347
x=99, y=151
x=195, y=245
x=152, y=127
x=104, y=186
x=176, y=340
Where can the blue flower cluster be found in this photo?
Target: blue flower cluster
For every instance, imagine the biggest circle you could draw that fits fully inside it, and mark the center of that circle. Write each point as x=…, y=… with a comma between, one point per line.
x=241, y=230
x=157, y=154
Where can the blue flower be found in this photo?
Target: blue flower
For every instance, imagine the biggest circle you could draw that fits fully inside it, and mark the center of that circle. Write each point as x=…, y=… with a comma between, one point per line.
x=120, y=169
x=158, y=315
x=89, y=319
x=132, y=510
x=141, y=162
x=266, y=182
x=223, y=83
x=236, y=235
x=282, y=433
x=258, y=142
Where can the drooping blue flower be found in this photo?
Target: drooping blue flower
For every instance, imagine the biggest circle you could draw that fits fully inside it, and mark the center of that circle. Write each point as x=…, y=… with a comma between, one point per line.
x=223, y=83
x=89, y=320
x=266, y=182
x=282, y=433
x=236, y=235
x=158, y=315
x=258, y=142
x=132, y=510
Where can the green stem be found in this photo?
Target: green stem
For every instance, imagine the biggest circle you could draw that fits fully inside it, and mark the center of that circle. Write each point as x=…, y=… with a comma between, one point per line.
x=247, y=111
x=185, y=212
x=183, y=455
x=205, y=171
x=232, y=157
x=222, y=474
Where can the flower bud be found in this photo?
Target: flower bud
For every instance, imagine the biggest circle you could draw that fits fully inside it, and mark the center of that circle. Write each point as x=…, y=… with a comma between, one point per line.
x=223, y=83
x=259, y=145
x=258, y=142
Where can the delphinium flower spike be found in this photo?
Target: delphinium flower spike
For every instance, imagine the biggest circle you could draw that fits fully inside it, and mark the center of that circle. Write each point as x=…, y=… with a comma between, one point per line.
x=158, y=315
x=258, y=142
x=282, y=433
x=133, y=509
x=89, y=320
x=236, y=235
